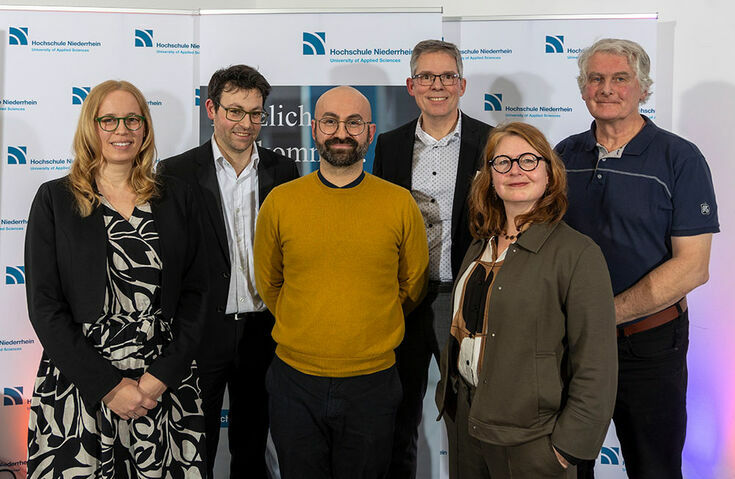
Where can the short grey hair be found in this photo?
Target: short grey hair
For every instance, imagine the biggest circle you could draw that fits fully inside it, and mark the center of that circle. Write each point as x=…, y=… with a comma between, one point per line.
x=637, y=57
x=431, y=46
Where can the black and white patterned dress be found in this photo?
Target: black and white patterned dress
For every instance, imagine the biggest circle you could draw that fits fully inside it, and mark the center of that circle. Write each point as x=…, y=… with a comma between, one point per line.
x=68, y=438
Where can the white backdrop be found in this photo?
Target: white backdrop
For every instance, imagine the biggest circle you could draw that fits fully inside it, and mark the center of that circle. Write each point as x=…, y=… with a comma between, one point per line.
x=49, y=58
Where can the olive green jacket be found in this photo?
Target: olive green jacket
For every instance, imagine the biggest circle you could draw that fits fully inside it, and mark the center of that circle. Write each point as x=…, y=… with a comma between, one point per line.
x=550, y=361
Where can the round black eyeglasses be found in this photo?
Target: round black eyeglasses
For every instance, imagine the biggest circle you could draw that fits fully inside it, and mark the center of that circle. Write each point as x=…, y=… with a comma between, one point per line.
x=527, y=162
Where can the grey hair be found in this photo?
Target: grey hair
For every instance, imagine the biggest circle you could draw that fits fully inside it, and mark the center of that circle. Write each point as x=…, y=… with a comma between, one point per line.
x=431, y=46
x=637, y=57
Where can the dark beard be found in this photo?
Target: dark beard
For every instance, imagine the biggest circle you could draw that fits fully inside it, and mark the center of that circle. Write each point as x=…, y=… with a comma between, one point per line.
x=342, y=159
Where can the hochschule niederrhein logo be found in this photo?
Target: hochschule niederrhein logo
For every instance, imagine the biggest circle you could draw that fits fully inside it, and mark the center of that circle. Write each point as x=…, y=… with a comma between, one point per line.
x=314, y=43
x=143, y=38
x=610, y=456
x=79, y=94
x=15, y=275
x=554, y=43
x=13, y=396
x=17, y=155
x=493, y=102
x=18, y=35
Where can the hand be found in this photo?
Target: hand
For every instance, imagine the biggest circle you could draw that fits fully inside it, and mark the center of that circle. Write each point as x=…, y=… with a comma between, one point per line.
x=152, y=388
x=560, y=458
x=127, y=401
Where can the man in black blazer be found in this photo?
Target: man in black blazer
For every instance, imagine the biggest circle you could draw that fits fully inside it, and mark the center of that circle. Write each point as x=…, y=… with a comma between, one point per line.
x=232, y=176
x=436, y=157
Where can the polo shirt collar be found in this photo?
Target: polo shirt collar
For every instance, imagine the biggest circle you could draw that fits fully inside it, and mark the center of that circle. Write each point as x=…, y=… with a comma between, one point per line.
x=636, y=146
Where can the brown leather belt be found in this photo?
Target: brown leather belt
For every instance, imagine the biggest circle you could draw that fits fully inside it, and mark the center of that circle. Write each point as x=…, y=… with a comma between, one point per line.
x=654, y=320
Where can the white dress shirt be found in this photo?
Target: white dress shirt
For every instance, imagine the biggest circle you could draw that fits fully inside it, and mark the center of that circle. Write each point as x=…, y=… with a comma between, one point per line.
x=240, y=207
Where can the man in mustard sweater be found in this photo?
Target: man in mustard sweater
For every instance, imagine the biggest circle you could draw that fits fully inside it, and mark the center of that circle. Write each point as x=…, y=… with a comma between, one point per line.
x=340, y=257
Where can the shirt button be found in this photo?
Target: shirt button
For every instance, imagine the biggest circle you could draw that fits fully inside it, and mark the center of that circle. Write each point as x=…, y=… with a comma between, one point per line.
x=433, y=200
x=599, y=177
x=242, y=300
x=493, y=335
x=513, y=250
x=433, y=173
x=499, y=288
x=431, y=225
x=604, y=159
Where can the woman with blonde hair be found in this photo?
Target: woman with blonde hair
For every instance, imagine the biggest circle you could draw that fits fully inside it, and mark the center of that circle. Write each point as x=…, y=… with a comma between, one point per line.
x=529, y=373
x=116, y=283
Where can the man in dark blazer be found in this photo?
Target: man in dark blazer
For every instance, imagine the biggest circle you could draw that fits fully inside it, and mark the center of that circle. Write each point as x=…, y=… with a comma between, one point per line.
x=436, y=157
x=232, y=176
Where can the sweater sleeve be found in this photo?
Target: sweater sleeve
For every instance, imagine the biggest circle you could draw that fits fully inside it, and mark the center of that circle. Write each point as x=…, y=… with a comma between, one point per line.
x=582, y=425
x=413, y=259
x=268, y=255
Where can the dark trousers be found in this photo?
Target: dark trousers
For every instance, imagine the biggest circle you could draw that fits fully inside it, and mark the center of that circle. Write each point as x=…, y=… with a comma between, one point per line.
x=244, y=354
x=427, y=327
x=470, y=458
x=338, y=428
x=650, y=410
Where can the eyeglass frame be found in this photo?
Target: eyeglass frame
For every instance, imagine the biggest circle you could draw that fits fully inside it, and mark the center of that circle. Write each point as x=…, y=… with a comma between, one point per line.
x=118, y=118
x=331, y=118
x=517, y=160
x=263, y=114
x=455, y=77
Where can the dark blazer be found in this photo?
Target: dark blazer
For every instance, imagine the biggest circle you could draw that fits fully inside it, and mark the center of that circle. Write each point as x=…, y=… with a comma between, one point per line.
x=196, y=167
x=65, y=260
x=394, y=159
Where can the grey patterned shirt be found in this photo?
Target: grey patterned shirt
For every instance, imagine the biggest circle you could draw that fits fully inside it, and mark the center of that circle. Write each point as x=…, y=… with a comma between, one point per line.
x=434, y=174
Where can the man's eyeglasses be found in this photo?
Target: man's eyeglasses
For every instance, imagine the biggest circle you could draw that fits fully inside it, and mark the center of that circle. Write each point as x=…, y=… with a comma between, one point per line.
x=427, y=79
x=236, y=114
x=527, y=162
x=111, y=122
x=354, y=127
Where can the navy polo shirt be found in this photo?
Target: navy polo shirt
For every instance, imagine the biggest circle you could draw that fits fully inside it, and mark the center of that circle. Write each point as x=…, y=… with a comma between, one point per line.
x=631, y=206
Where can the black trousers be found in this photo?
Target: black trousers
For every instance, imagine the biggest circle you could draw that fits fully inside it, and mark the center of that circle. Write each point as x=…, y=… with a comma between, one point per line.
x=332, y=428
x=427, y=329
x=244, y=354
x=650, y=409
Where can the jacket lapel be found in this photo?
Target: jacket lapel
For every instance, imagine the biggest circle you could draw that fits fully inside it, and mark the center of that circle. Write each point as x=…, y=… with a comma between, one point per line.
x=210, y=191
x=469, y=156
x=168, y=234
x=404, y=152
x=266, y=174
x=94, y=251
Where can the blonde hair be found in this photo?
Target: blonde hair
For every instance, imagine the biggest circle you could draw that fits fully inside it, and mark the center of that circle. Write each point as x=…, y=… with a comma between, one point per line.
x=487, y=210
x=88, y=150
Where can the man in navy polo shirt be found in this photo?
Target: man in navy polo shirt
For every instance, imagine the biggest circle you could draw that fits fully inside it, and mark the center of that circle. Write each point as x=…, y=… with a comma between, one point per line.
x=645, y=196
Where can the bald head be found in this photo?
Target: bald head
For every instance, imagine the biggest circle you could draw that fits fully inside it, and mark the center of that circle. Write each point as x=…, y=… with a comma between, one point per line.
x=343, y=101
x=342, y=128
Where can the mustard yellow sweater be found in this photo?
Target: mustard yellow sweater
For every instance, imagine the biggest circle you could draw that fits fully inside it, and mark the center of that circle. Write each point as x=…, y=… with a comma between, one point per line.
x=337, y=267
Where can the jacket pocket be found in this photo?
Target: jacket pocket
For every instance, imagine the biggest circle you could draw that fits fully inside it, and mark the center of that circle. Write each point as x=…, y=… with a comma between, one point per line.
x=508, y=396
x=549, y=384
